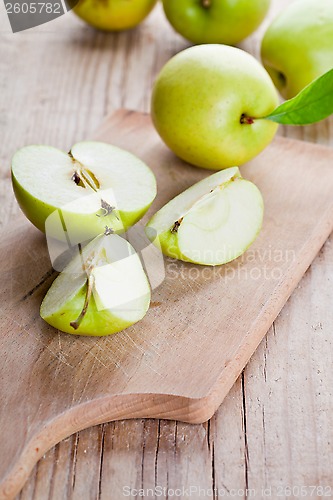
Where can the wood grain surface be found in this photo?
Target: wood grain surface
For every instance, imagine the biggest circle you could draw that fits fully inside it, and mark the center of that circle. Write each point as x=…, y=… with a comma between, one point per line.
x=204, y=323
x=275, y=427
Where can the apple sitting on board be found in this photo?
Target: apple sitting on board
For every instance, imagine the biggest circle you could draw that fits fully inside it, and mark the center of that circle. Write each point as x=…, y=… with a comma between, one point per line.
x=207, y=103
x=103, y=290
x=113, y=15
x=297, y=47
x=79, y=193
x=212, y=222
x=215, y=21
x=215, y=106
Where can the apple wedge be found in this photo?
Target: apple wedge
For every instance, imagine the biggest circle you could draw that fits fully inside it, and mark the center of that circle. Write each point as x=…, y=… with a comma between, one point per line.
x=103, y=290
x=94, y=186
x=212, y=222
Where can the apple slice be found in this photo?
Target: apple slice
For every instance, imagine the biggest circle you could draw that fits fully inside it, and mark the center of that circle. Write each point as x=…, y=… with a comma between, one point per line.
x=212, y=222
x=103, y=290
x=93, y=186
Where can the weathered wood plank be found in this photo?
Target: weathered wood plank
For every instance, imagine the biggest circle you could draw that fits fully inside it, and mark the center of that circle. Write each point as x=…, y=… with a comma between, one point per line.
x=285, y=393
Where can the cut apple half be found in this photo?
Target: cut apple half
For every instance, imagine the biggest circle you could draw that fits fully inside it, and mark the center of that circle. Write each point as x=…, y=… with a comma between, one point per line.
x=212, y=222
x=103, y=290
x=94, y=186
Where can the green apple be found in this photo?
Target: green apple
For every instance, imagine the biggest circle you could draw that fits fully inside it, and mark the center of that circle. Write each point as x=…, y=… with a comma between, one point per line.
x=93, y=186
x=208, y=105
x=113, y=15
x=103, y=290
x=216, y=21
x=297, y=47
x=212, y=222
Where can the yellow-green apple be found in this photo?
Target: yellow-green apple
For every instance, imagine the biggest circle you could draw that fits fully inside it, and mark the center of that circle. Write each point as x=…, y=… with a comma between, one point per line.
x=208, y=105
x=102, y=290
x=297, y=47
x=81, y=192
x=215, y=21
x=212, y=222
x=113, y=15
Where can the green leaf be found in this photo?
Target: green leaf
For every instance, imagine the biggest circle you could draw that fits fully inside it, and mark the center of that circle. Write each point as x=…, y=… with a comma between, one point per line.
x=311, y=105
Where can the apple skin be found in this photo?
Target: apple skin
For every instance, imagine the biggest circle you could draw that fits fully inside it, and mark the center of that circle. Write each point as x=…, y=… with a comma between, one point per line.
x=64, y=218
x=113, y=15
x=96, y=323
x=168, y=244
x=199, y=98
x=207, y=214
x=83, y=226
x=116, y=272
x=215, y=21
x=297, y=47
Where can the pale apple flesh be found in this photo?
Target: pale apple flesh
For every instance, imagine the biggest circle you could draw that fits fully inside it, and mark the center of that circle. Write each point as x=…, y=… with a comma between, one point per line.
x=113, y=15
x=215, y=21
x=297, y=47
x=212, y=222
x=94, y=186
x=102, y=291
x=208, y=106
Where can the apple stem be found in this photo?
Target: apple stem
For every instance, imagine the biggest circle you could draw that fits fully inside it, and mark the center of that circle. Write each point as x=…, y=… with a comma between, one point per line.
x=247, y=120
x=206, y=3
x=90, y=283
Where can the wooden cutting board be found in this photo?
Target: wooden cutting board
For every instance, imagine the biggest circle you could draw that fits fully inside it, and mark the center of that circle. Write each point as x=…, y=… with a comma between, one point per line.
x=203, y=326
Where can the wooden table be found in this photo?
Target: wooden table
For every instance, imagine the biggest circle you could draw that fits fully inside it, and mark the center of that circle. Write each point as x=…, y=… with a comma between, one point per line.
x=275, y=429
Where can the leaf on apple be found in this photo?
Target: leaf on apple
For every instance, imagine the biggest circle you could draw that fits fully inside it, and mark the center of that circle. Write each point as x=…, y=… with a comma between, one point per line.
x=313, y=104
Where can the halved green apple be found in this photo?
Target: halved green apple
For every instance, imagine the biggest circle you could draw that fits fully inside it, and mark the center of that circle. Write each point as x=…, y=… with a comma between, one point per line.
x=93, y=186
x=212, y=222
x=103, y=290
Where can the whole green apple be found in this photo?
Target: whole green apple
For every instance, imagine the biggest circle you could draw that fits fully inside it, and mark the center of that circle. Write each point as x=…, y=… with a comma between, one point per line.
x=297, y=47
x=215, y=21
x=113, y=15
x=208, y=103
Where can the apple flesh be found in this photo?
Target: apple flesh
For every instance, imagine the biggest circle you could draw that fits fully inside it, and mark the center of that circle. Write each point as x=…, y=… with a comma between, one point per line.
x=102, y=291
x=113, y=15
x=208, y=103
x=212, y=222
x=80, y=193
x=297, y=47
x=215, y=21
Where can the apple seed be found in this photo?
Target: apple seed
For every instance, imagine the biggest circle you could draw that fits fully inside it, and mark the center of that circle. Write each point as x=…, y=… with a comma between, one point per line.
x=176, y=225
